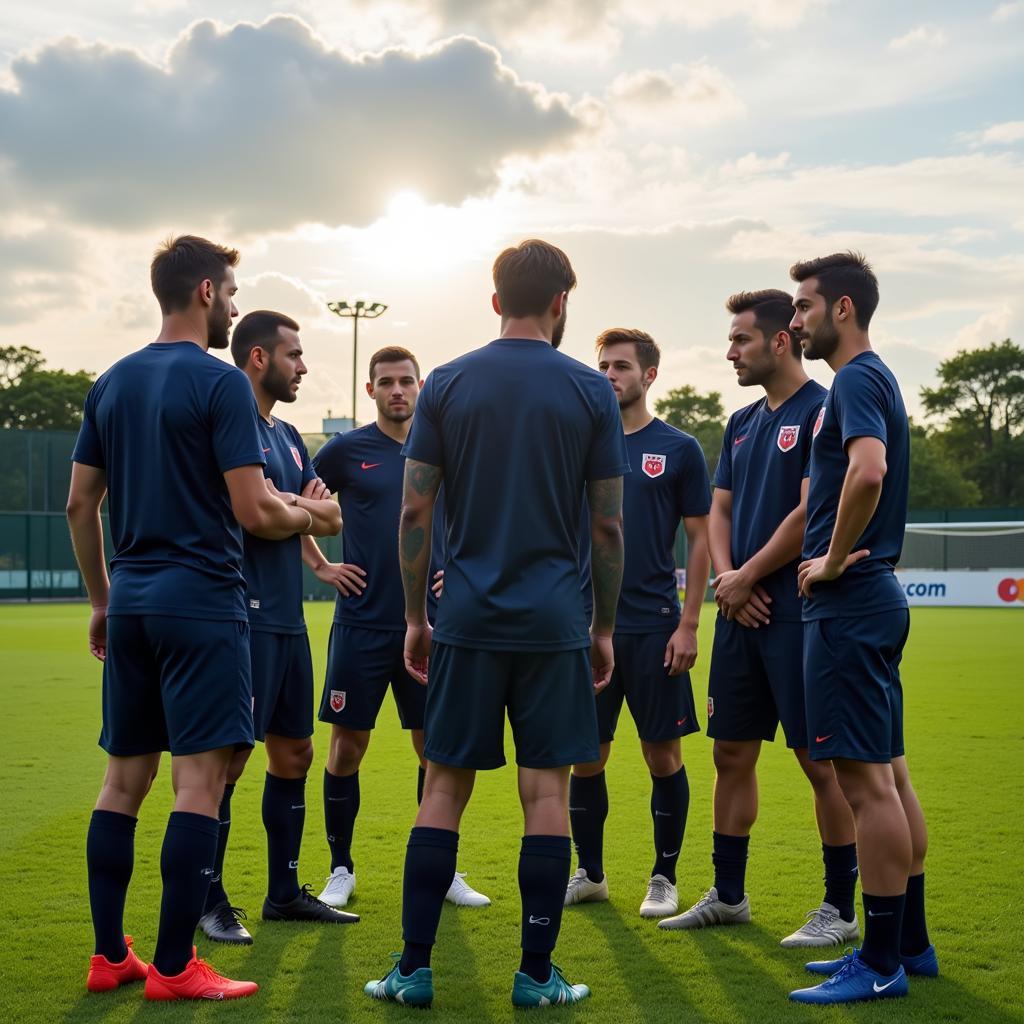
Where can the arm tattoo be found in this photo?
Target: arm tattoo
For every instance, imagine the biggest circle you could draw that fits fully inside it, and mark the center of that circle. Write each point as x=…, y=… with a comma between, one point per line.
x=421, y=485
x=605, y=497
x=412, y=544
x=421, y=477
x=607, y=549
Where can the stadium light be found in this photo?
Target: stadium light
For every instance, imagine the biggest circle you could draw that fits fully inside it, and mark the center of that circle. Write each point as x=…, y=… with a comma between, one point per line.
x=356, y=311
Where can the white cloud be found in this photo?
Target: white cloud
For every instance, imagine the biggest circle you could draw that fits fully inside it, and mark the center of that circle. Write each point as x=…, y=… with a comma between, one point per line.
x=751, y=165
x=253, y=128
x=924, y=36
x=39, y=269
x=1004, y=12
x=695, y=94
x=1006, y=133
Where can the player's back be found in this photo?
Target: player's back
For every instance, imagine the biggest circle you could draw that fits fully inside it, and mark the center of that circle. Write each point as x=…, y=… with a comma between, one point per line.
x=166, y=423
x=518, y=429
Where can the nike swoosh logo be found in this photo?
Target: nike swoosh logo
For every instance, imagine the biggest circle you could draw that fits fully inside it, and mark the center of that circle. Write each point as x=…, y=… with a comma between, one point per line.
x=539, y=920
x=884, y=913
x=663, y=814
x=370, y=465
x=821, y=739
x=670, y=854
x=265, y=450
x=739, y=440
x=882, y=988
x=682, y=721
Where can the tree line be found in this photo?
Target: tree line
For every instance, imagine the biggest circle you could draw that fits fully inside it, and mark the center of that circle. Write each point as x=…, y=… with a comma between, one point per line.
x=968, y=452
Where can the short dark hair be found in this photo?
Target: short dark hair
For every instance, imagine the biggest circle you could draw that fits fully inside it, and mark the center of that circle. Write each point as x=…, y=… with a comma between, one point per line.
x=258, y=329
x=647, y=352
x=843, y=273
x=773, y=310
x=529, y=275
x=392, y=354
x=181, y=264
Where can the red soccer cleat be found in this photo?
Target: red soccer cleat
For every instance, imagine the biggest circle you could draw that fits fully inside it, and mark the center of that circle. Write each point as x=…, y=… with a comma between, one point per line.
x=105, y=976
x=198, y=981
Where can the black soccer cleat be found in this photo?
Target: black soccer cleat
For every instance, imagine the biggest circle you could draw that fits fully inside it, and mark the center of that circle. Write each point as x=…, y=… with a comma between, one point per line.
x=224, y=924
x=306, y=907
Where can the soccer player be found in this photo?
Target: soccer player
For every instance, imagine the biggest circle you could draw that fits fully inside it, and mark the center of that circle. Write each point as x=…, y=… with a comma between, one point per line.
x=265, y=345
x=365, y=468
x=856, y=623
x=756, y=680
x=169, y=434
x=655, y=644
x=516, y=431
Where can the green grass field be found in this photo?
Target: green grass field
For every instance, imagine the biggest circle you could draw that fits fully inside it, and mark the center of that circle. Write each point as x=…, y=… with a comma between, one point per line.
x=965, y=735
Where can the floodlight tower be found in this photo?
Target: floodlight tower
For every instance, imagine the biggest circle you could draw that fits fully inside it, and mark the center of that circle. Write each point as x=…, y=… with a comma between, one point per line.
x=355, y=312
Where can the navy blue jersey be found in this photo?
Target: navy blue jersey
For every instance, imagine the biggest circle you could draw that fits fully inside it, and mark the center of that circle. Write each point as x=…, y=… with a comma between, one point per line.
x=864, y=401
x=165, y=424
x=669, y=481
x=518, y=428
x=365, y=468
x=766, y=454
x=273, y=568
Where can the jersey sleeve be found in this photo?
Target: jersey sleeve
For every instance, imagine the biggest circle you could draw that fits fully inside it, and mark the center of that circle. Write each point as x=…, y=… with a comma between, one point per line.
x=860, y=404
x=308, y=472
x=693, y=489
x=425, y=443
x=88, y=449
x=607, y=456
x=235, y=432
x=807, y=436
x=329, y=464
x=723, y=471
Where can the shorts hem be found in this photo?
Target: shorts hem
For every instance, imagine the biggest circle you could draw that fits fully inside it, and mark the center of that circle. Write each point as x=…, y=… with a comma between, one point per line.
x=858, y=755
x=558, y=762
x=675, y=734
x=329, y=720
x=115, y=751
x=453, y=761
x=727, y=737
x=238, y=742
x=260, y=736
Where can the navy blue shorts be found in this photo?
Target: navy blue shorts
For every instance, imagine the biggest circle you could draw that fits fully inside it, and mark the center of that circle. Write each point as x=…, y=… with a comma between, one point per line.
x=361, y=664
x=282, y=685
x=661, y=705
x=182, y=685
x=756, y=681
x=549, y=697
x=852, y=686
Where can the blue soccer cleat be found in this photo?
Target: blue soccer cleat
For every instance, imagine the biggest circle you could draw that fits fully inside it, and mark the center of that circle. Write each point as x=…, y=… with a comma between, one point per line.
x=415, y=990
x=853, y=982
x=556, y=991
x=924, y=965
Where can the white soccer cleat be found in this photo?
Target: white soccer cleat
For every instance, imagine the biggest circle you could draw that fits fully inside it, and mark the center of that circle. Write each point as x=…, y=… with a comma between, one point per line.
x=824, y=927
x=661, y=899
x=338, y=890
x=582, y=890
x=462, y=894
x=709, y=910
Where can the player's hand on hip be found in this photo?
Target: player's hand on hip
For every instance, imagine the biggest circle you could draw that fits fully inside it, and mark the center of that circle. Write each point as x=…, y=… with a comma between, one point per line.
x=316, y=490
x=417, y=651
x=820, y=570
x=348, y=580
x=438, y=585
x=98, y=633
x=602, y=661
x=681, y=651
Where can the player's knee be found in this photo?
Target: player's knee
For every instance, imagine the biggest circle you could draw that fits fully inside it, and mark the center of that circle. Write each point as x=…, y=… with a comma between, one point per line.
x=289, y=758
x=820, y=774
x=662, y=759
x=734, y=758
x=237, y=764
x=346, y=751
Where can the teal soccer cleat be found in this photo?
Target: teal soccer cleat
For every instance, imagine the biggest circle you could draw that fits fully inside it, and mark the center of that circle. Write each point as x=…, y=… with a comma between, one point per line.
x=924, y=965
x=415, y=990
x=854, y=982
x=556, y=991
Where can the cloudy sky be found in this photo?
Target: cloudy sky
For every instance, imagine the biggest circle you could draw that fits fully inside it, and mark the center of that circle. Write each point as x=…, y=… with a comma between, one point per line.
x=388, y=149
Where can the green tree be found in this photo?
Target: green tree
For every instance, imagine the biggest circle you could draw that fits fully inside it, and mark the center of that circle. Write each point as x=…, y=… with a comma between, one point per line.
x=701, y=415
x=980, y=402
x=35, y=398
x=937, y=479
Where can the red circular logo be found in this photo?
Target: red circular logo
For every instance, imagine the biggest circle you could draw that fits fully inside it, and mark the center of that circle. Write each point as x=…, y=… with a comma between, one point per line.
x=1010, y=590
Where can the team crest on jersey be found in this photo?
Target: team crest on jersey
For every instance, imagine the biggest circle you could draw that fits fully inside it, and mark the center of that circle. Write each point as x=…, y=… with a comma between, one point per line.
x=337, y=700
x=818, y=422
x=653, y=465
x=787, y=438
x=296, y=456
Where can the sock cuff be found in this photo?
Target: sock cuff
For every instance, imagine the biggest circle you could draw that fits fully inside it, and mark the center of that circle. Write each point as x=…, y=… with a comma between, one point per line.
x=274, y=783
x=874, y=903
x=439, y=838
x=585, y=782
x=113, y=821
x=670, y=781
x=556, y=847
x=334, y=782
x=194, y=823
x=840, y=858
x=730, y=844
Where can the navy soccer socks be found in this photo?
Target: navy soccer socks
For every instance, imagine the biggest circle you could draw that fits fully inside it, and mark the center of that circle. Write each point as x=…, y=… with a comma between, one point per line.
x=110, y=856
x=883, y=925
x=429, y=868
x=186, y=864
x=544, y=863
x=588, y=810
x=216, y=894
x=284, y=815
x=341, y=805
x=914, y=936
x=840, y=877
x=670, y=802
x=729, y=856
